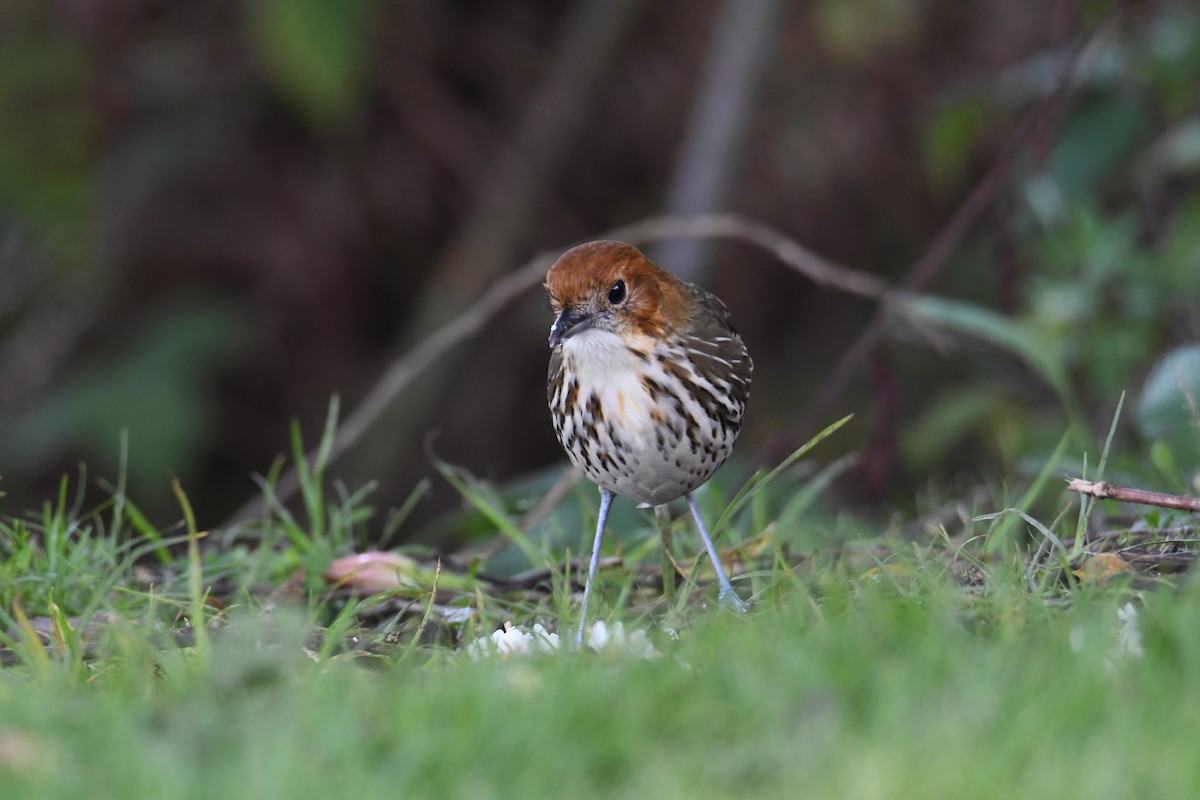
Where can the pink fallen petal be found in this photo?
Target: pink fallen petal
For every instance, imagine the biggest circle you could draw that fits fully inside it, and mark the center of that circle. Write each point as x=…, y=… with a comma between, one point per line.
x=371, y=572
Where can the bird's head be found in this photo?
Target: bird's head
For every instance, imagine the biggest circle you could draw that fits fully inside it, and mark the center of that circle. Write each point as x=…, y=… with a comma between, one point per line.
x=612, y=287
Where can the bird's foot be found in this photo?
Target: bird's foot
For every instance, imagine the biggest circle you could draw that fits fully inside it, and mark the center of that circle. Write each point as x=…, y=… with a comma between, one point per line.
x=729, y=601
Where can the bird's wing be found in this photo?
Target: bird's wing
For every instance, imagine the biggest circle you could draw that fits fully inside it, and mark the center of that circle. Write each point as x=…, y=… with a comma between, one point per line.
x=554, y=377
x=718, y=352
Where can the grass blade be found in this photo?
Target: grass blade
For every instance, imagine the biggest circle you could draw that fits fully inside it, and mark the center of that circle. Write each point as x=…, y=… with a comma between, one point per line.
x=759, y=481
x=496, y=516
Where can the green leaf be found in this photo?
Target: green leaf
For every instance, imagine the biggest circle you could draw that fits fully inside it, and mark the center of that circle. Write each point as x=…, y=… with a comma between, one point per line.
x=1164, y=462
x=1176, y=153
x=952, y=417
x=986, y=325
x=150, y=382
x=1168, y=406
x=316, y=53
x=950, y=139
x=1095, y=142
x=47, y=141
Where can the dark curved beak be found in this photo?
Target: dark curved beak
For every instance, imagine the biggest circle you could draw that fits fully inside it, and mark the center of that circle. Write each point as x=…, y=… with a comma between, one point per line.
x=569, y=323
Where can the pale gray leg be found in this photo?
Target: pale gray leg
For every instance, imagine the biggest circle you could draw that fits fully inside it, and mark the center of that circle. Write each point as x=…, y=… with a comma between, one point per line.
x=728, y=597
x=606, y=498
x=663, y=518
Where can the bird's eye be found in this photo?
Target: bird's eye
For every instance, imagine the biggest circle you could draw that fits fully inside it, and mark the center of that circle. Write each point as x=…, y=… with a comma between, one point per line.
x=616, y=294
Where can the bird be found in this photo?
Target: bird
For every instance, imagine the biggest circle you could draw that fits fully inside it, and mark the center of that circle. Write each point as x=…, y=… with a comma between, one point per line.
x=647, y=385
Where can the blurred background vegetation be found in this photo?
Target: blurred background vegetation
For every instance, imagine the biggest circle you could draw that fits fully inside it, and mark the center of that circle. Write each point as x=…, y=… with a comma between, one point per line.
x=215, y=215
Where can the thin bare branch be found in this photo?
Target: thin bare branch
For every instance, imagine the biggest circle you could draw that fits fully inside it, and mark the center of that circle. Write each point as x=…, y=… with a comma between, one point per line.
x=817, y=269
x=1124, y=494
x=405, y=369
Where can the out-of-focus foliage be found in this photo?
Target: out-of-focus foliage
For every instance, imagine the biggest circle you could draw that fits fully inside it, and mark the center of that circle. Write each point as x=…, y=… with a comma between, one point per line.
x=47, y=147
x=1098, y=247
x=854, y=30
x=1169, y=407
x=317, y=53
x=154, y=384
x=213, y=216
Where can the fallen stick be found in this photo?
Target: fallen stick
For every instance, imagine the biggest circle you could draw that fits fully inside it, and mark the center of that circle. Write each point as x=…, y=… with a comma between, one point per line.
x=1105, y=490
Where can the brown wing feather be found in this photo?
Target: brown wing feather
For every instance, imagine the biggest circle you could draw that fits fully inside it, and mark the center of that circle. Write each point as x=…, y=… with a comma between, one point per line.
x=718, y=352
x=554, y=376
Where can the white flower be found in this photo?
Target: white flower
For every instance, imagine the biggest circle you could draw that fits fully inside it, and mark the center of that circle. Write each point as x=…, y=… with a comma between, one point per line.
x=512, y=640
x=1129, y=637
x=602, y=640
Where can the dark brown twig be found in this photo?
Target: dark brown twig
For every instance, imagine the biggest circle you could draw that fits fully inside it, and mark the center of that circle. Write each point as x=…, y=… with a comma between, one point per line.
x=1108, y=491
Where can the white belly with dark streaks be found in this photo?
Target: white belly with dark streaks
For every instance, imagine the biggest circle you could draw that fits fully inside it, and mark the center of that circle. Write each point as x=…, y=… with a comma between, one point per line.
x=636, y=430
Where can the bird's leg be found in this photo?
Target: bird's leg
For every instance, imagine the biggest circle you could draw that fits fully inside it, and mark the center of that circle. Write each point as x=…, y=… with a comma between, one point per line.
x=663, y=517
x=728, y=597
x=606, y=498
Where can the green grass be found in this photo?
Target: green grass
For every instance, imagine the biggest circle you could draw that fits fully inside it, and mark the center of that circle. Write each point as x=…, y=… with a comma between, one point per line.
x=866, y=670
x=882, y=694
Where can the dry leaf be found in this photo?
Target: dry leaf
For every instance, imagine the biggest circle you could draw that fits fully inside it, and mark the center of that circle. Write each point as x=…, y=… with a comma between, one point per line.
x=1101, y=567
